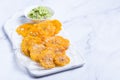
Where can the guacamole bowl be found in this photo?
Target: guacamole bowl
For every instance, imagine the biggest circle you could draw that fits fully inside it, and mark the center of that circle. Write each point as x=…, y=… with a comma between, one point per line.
x=38, y=13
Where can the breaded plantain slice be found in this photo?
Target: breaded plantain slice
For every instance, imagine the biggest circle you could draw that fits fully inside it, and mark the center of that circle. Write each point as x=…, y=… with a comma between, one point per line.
x=24, y=29
x=25, y=46
x=45, y=28
x=27, y=42
x=61, y=60
x=35, y=56
x=35, y=50
x=46, y=59
x=57, y=50
x=57, y=41
x=62, y=41
x=58, y=25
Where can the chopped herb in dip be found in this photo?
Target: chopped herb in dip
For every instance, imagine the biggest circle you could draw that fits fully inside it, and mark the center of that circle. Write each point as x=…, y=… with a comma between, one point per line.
x=40, y=12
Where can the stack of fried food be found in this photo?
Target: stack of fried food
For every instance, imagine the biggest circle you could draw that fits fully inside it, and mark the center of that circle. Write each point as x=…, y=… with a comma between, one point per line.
x=42, y=45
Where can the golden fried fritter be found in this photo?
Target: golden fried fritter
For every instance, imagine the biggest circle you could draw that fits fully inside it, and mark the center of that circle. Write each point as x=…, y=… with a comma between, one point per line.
x=27, y=42
x=46, y=59
x=61, y=60
x=24, y=29
x=45, y=29
x=57, y=42
x=35, y=51
x=57, y=50
x=58, y=25
x=25, y=46
x=34, y=56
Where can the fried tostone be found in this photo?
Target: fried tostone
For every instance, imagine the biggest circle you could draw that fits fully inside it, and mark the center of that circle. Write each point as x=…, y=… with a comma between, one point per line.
x=24, y=29
x=45, y=29
x=57, y=41
x=46, y=59
x=27, y=42
x=61, y=60
x=58, y=25
x=35, y=51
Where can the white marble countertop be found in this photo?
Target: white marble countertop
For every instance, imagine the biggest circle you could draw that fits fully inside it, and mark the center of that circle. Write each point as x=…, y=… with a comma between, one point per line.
x=98, y=20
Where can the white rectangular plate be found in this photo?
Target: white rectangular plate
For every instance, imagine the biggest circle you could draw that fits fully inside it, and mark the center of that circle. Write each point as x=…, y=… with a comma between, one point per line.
x=32, y=67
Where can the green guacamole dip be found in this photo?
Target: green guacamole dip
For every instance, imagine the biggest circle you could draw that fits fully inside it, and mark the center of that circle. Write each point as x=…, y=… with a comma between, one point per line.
x=40, y=12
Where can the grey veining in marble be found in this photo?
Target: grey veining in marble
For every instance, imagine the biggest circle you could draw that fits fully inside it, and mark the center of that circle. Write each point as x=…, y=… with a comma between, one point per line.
x=98, y=20
x=2, y=35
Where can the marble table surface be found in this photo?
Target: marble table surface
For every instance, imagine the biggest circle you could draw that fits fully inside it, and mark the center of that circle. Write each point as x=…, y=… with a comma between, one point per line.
x=97, y=22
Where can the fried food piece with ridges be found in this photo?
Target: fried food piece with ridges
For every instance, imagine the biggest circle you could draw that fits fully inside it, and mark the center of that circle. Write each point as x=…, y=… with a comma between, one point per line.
x=61, y=60
x=57, y=41
x=24, y=29
x=58, y=25
x=27, y=42
x=45, y=28
x=35, y=51
x=57, y=50
x=46, y=59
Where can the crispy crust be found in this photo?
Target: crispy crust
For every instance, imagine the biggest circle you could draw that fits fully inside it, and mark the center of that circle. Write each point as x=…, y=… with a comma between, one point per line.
x=27, y=42
x=57, y=41
x=24, y=29
x=35, y=51
x=58, y=25
x=46, y=59
x=61, y=60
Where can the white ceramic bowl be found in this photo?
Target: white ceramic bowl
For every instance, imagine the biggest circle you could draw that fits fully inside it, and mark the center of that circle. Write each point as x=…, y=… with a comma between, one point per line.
x=37, y=20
